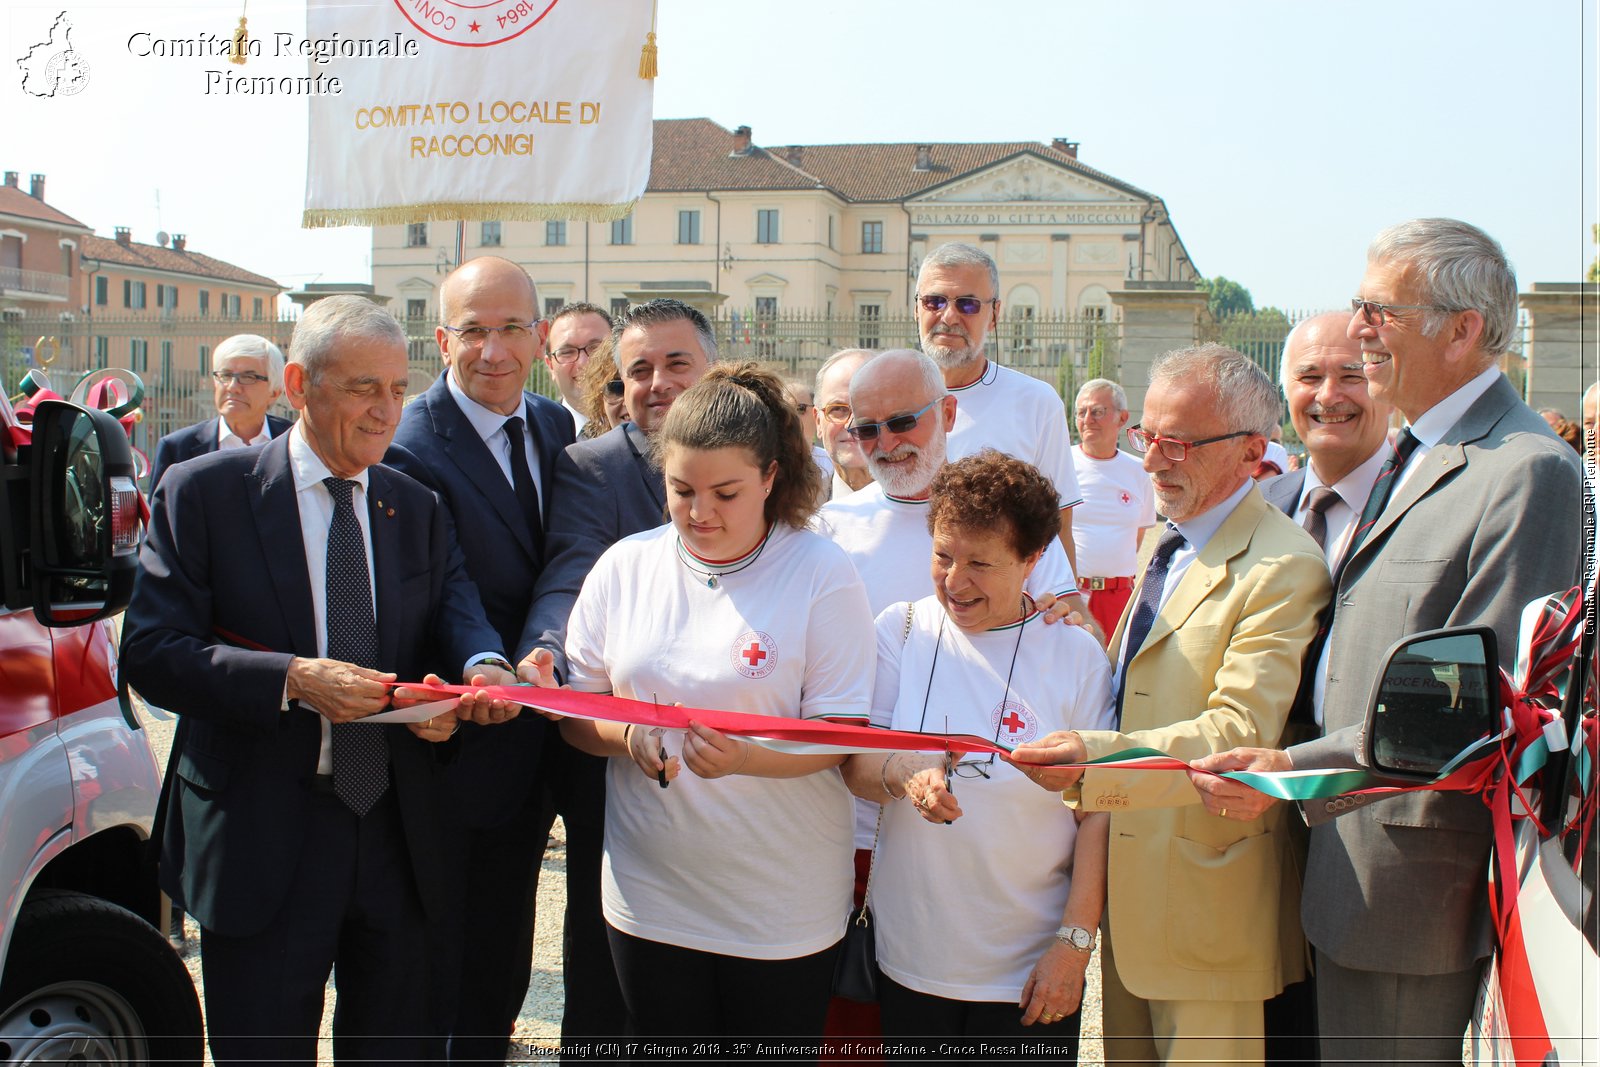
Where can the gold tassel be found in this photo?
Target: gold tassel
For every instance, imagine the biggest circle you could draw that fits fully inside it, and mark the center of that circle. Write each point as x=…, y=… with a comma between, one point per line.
x=241, y=42
x=647, y=56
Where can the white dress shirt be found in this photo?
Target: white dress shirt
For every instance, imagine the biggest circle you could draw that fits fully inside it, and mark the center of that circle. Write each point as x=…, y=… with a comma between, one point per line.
x=226, y=438
x=491, y=426
x=1353, y=490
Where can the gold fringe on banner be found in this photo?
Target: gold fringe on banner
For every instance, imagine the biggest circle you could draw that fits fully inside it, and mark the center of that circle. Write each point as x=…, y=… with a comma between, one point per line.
x=313, y=218
x=241, y=38
x=647, y=57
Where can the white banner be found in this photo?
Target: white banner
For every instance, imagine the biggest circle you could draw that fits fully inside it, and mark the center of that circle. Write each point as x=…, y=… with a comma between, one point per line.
x=476, y=109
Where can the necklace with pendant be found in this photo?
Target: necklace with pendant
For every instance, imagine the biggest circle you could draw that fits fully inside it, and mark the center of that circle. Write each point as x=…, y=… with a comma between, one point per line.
x=713, y=571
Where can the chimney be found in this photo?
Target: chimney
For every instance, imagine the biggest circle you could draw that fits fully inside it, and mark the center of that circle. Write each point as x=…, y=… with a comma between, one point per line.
x=1066, y=147
x=37, y=181
x=924, y=157
x=11, y=179
x=741, y=141
x=124, y=236
x=178, y=241
x=793, y=154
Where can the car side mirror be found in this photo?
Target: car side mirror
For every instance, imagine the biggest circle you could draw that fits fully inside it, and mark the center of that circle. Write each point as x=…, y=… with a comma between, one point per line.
x=1439, y=692
x=84, y=536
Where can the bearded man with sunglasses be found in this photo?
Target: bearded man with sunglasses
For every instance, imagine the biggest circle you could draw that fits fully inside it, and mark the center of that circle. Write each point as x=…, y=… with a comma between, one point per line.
x=1476, y=514
x=957, y=304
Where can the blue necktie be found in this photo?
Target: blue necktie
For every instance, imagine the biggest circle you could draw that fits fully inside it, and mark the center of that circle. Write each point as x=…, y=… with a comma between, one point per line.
x=1144, y=609
x=522, y=481
x=360, y=753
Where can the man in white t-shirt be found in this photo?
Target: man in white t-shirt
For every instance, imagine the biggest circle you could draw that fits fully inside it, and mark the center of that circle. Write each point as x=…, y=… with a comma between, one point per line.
x=957, y=303
x=833, y=410
x=1118, y=506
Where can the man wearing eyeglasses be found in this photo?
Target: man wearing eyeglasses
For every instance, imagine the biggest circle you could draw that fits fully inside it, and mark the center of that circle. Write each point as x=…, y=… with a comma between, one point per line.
x=957, y=304
x=833, y=408
x=1475, y=514
x=576, y=332
x=488, y=447
x=1209, y=651
x=1118, y=503
x=247, y=378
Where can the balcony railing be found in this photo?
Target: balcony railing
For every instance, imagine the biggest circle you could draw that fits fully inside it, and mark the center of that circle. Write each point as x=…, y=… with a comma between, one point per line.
x=34, y=282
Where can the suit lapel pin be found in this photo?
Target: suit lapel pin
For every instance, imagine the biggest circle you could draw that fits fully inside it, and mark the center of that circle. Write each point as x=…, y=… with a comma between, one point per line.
x=390, y=513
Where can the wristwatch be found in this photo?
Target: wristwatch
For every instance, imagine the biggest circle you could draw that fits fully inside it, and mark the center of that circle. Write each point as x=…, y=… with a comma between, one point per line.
x=1077, y=937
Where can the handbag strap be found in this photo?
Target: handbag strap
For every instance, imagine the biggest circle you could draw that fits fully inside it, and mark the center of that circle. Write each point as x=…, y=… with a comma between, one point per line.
x=872, y=861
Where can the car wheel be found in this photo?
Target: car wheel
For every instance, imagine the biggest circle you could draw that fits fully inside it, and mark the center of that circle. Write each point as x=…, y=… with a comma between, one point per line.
x=87, y=981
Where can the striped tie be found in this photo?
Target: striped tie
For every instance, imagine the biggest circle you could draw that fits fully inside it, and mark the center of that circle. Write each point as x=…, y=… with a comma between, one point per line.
x=1382, y=489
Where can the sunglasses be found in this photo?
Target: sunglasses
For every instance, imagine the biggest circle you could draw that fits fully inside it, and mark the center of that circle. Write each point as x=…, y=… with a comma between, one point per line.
x=967, y=305
x=1375, y=314
x=614, y=388
x=868, y=431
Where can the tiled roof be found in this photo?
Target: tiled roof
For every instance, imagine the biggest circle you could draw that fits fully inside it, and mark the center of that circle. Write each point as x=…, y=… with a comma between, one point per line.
x=154, y=257
x=692, y=155
x=16, y=202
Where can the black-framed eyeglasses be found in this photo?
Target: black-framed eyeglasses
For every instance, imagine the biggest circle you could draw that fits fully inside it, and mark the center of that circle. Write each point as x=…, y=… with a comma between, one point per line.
x=477, y=336
x=868, y=431
x=614, y=388
x=568, y=354
x=246, y=377
x=1175, y=450
x=1375, y=314
x=801, y=409
x=967, y=305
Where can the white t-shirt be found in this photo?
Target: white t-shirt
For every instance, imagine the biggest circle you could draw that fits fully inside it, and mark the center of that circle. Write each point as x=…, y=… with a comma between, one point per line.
x=887, y=539
x=1021, y=416
x=964, y=911
x=752, y=867
x=1118, y=501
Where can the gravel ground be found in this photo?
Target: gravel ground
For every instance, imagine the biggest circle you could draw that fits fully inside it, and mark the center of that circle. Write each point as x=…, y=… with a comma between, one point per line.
x=539, y=1026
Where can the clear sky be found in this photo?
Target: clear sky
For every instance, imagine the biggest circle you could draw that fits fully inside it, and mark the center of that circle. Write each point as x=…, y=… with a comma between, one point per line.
x=1282, y=135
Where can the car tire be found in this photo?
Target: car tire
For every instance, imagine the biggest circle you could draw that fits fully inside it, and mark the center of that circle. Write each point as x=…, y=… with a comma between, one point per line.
x=87, y=981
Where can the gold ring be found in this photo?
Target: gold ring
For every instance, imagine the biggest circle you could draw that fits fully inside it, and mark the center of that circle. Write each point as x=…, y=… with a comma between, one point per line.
x=430, y=722
x=1224, y=813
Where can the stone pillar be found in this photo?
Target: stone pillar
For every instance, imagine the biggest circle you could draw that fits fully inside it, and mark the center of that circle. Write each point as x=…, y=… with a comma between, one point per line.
x=1560, y=345
x=1060, y=243
x=1156, y=317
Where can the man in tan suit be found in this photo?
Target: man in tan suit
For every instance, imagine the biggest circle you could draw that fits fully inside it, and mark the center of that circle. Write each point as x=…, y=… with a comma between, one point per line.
x=1201, y=924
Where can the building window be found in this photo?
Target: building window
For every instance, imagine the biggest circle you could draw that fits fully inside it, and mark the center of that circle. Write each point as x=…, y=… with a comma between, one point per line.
x=489, y=235
x=553, y=306
x=166, y=297
x=139, y=356
x=831, y=220
x=133, y=294
x=688, y=227
x=871, y=316
x=205, y=301
x=767, y=226
x=205, y=360
x=102, y=296
x=619, y=306
x=66, y=260
x=872, y=237
x=416, y=309
x=622, y=231
x=102, y=352
x=417, y=235
x=255, y=309
x=233, y=306
x=166, y=362
x=555, y=233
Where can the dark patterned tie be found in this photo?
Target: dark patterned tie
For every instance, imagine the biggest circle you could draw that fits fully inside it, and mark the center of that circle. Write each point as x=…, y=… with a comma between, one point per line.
x=1316, y=521
x=1144, y=609
x=522, y=478
x=1382, y=489
x=360, y=754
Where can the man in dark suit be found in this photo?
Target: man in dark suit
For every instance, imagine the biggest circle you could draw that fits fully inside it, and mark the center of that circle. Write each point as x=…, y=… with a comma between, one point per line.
x=247, y=378
x=489, y=449
x=1457, y=534
x=282, y=590
x=608, y=488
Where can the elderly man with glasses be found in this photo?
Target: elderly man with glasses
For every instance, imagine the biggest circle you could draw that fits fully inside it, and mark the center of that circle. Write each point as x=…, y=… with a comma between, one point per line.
x=1200, y=924
x=957, y=304
x=1118, y=503
x=247, y=379
x=577, y=332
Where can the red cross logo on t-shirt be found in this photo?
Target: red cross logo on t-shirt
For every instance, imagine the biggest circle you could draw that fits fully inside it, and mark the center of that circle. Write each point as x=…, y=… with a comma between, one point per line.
x=754, y=654
x=1014, y=723
x=1127, y=497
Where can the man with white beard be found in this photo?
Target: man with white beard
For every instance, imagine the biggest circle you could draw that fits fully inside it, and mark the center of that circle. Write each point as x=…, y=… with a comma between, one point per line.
x=957, y=304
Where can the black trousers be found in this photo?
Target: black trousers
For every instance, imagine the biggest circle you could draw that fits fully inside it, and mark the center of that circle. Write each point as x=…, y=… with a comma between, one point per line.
x=681, y=992
x=352, y=909
x=917, y=1026
x=594, y=1007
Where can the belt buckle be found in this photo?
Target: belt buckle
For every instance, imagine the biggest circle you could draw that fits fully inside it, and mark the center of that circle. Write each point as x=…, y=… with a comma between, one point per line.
x=1095, y=584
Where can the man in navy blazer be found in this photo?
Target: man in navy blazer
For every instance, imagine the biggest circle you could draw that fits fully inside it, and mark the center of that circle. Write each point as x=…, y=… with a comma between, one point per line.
x=239, y=602
x=456, y=440
x=247, y=379
x=607, y=488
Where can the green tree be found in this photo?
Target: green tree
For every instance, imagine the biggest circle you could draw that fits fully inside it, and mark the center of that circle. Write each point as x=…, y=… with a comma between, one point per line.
x=1226, y=298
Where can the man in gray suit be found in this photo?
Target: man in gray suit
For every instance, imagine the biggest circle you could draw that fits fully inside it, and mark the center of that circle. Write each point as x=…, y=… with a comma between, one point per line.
x=608, y=489
x=1395, y=891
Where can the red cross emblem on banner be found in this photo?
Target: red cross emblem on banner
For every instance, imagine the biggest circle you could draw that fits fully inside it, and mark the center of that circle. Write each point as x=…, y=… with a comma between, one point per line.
x=755, y=654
